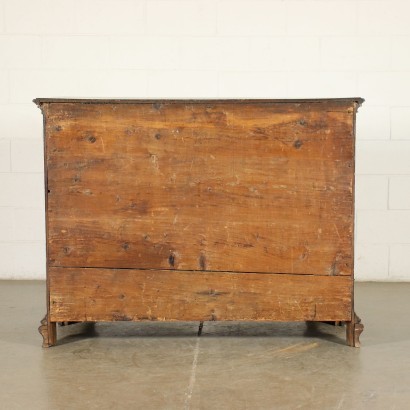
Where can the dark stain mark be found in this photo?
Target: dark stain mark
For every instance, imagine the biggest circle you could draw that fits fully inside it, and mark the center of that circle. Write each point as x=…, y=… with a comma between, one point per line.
x=201, y=325
x=202, y=262
x=171, y=260
x=304, y=255
x=211, y=292
x=120, y=317
x=302, y=122
x=91, y=139
x=125, y=246
x=158, y=136
x=141, y=207
x=86, y=163
x=298, y=144
x=130, y=131
x=244, y=245
x=48, y=191
x=334, y=269
x=157, y=106
x=58, y=128
x=122, y=296
x=217, y=117
x=259, y=131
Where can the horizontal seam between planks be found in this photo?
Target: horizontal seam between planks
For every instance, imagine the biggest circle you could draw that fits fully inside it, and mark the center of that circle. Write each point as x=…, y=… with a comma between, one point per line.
x=199, y=270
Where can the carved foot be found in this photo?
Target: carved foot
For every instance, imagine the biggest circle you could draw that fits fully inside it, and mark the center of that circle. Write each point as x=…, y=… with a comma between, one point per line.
x=353, y=331
x=48, y=331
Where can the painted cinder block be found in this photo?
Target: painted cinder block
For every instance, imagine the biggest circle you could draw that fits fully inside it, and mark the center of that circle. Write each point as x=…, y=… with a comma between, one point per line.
x=109, y=17
x=187, y=18
x=383, y=227
x=75, y=52
x=235, y=84
x=27, y=155
x=355, y=53
x=399, y=261
x=213, y=53
x=22, y=189
x=400, y=123
x=251, y=18
x=371, y=192
x=324, y=18
x=399, y=192
x=382, y=157
x=131, y=52
x=182, y=84
x=371, y=261
x=383, y=17
x=5, y=163
x=20, y=51
x=20, y=121
x=373, y=123
x=29, y=224
x=284, y=53
x=39, y=17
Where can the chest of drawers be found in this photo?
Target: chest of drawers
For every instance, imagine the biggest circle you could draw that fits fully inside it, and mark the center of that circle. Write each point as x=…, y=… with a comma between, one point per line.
x=199, y=210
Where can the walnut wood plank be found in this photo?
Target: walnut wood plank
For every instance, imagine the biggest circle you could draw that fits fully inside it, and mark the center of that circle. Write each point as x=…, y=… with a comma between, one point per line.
x=216, y=186
x=123, y=294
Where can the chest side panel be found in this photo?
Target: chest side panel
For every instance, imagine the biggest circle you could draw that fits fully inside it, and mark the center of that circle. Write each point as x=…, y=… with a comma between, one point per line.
x=220, y=187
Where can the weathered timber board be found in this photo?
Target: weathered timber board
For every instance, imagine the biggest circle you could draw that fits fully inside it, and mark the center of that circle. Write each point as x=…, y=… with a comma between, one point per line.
x=90, y=294
x=205, y=186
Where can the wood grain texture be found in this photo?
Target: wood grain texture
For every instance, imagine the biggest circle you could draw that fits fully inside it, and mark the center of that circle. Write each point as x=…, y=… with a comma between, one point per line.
x=123, y=294
x=250, y=187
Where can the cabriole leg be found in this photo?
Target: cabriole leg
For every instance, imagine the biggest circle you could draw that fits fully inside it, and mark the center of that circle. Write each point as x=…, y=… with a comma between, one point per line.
x=353, y=331
x=48, y=330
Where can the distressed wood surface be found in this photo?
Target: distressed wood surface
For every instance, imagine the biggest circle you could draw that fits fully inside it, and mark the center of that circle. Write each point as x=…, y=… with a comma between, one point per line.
x=209, y=186
x=110, y=295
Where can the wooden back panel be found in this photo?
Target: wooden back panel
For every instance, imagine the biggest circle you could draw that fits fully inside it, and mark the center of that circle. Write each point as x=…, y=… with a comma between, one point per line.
x=219, y=186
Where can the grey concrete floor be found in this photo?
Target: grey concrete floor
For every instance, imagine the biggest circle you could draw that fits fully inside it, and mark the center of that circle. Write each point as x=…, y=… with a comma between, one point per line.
x=231, y=366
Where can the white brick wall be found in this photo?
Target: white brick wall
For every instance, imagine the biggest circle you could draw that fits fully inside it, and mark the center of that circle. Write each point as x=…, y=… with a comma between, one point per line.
x=210, y=48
